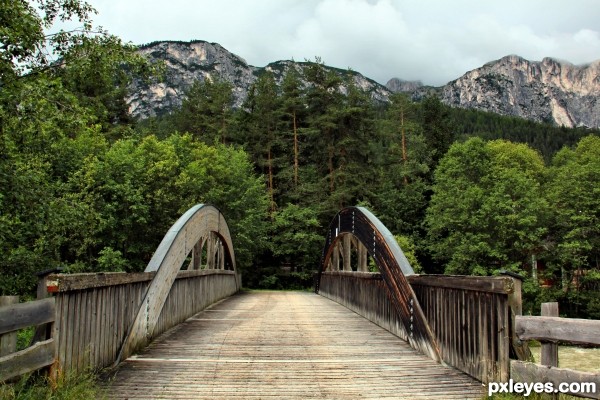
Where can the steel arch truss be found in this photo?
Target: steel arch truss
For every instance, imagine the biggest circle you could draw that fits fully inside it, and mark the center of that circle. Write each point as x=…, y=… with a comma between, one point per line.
x=358, y=227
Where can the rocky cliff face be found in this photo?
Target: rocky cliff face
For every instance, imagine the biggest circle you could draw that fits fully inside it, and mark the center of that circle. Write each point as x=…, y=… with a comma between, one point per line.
x=186, y=62
x=547, y=91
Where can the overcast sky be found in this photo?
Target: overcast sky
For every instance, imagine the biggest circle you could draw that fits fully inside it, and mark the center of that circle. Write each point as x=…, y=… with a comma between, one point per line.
x=434, y=41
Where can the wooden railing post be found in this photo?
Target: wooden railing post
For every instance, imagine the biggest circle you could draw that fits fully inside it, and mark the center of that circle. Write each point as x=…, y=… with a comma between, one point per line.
x=515, y=303
x=44, y=332
x=549, y=349
x=8, y=341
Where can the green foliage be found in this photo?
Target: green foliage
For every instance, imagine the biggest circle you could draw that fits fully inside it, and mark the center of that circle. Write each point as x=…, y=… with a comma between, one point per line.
x=574, y=188
x=296, y=237
x=84, y=187
x=409, y=250
x=487, y=211
x=206, y=111
x=546, y=138
x=24, y=337
x=111, y=260
x=138, y=188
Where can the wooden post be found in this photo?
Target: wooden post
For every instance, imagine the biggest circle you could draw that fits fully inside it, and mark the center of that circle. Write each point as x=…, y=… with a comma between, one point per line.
x=515, y=304
x=549, y=350
x=43, y=332
x=196, y=263
x=8, y=341
x=221, y=256
x=362, y=258
x=335, y=259
x=347, y=250
x=210, y=251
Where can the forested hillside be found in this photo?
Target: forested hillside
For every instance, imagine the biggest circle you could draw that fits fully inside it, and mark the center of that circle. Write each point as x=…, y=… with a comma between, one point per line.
x=87, y=188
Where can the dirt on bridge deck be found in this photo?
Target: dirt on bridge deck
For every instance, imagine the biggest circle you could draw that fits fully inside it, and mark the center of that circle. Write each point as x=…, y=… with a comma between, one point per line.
x=284, y=345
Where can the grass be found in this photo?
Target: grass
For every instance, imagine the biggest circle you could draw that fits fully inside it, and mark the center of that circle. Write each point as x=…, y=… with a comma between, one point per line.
x=576, y=358
x=38, y=387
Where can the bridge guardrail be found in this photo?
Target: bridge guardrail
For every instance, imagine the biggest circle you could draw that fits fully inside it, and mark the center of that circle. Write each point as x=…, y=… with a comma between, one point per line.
x=550, y=329
x=471, y=317
x=14, y=317
x=94, y=311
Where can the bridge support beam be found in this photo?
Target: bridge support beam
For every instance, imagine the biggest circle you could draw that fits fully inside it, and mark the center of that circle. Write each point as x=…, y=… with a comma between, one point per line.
x=347, y=251
x=362, y=257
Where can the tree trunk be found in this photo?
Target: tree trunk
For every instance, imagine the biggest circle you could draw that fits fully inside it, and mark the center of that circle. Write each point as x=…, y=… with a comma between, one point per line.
x=404, y=156
x=271, y=194
x=331, y=170
x=295, y=150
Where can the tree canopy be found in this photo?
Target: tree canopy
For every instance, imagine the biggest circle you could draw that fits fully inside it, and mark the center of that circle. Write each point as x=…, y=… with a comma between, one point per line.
x=86, y=187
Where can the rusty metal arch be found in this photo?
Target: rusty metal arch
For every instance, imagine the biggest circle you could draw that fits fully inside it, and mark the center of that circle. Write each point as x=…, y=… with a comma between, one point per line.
x=201, y=225
x=393, y=266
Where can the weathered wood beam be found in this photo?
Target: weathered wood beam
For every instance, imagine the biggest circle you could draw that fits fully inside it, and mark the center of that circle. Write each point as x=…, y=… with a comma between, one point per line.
x=69, y=282
x=39, y=355
x=500, y=284
x=22, y=315
x=528, y=372
x=555, y=329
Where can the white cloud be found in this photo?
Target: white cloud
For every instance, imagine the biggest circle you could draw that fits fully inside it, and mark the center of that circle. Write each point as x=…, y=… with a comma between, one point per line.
x=431, y=40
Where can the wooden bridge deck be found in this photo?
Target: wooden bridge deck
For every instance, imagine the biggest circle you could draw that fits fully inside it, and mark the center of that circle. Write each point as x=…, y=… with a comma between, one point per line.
x=262, y=345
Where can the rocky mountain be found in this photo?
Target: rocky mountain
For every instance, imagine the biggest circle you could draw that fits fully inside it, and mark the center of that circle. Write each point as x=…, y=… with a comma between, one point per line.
x=186, y=62
x=547, y=91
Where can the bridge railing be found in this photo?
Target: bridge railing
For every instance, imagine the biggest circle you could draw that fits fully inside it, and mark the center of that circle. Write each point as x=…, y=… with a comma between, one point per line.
x=550, y=329
x=94, y=311
x=471, y=317
x=14, y=317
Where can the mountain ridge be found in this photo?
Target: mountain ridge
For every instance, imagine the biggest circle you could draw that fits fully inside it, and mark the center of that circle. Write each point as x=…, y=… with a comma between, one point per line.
x=550, y=90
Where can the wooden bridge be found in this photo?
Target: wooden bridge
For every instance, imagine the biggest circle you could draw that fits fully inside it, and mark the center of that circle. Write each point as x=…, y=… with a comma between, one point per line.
x=183, y=329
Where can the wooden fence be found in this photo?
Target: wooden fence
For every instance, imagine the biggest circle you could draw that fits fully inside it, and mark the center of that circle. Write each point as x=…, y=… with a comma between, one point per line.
x=471, y=317
x=549, y=329
x=95, y=311
x=14, y=317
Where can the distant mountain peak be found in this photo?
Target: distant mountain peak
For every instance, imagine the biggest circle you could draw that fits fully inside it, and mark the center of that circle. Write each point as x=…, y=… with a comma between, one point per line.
x=187, y=62
x=550, y=90
x=545, y=91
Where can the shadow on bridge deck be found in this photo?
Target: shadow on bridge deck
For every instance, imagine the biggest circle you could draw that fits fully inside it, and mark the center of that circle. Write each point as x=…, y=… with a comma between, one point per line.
x=284, y=345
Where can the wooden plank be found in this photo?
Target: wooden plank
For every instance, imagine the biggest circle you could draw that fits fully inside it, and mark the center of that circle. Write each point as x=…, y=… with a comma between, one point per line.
x=71, y=282
x=354, y=274
x=553, y=329
x=529, y=372
x=22, y=315
x=292, y=345
x=495, y=284
x=32, y=358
